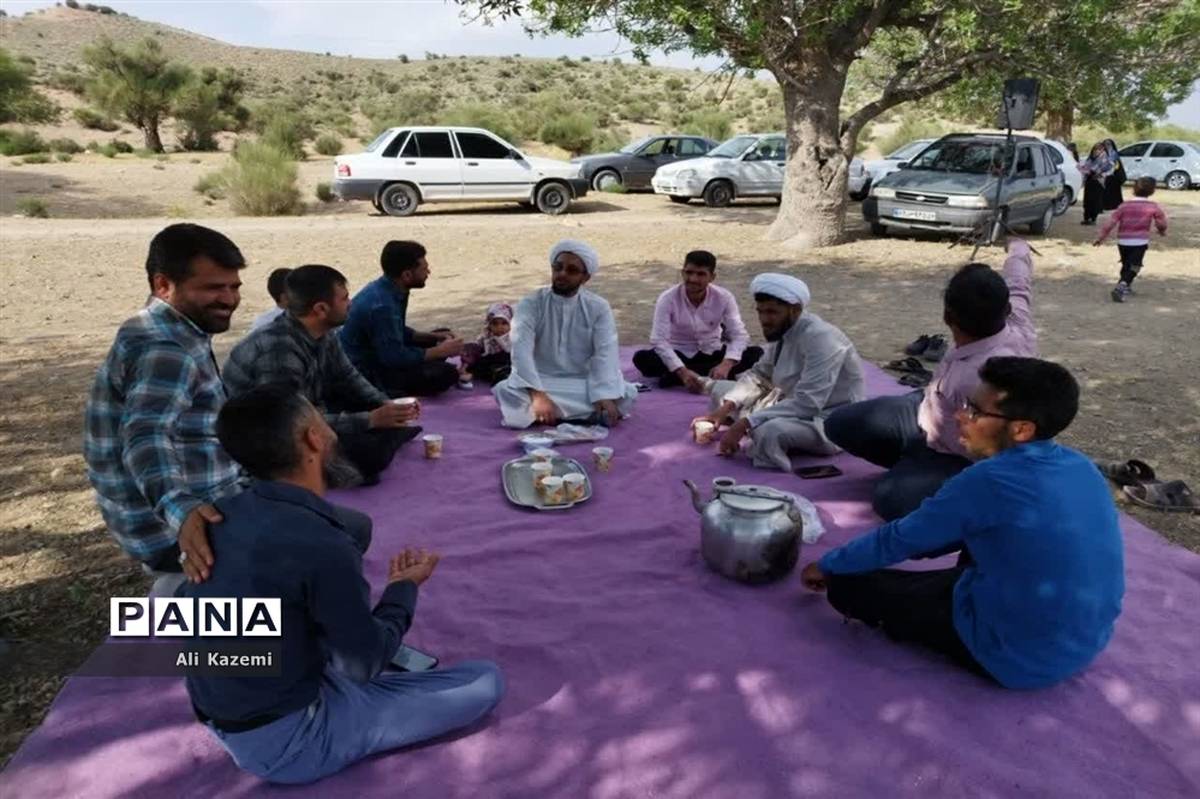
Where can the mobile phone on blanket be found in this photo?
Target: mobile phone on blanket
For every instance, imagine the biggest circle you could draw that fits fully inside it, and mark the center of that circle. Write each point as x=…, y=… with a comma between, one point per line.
x=817, y=472
x=641, y=387
x=410, y=659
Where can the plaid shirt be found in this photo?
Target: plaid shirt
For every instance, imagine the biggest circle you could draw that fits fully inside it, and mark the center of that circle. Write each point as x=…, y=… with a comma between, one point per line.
x=150, y=437
x=285, y=353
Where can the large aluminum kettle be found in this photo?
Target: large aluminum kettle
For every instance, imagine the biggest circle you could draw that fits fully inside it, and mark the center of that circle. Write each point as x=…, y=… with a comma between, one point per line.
x=750, y=533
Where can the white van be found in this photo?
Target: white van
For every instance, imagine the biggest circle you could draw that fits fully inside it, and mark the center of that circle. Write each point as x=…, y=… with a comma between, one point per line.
x=405, y=167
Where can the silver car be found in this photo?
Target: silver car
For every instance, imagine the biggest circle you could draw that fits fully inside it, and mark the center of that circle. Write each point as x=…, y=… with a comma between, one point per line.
x=952, y=187
x=1174, y=164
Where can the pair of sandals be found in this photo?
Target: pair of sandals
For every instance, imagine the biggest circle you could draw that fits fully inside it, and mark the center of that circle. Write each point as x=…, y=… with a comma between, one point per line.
x=930, y=347
x=915, y=375
x=1142, y=487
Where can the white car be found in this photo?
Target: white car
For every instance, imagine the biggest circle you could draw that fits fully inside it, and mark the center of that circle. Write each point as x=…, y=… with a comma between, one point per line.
x=405, y=167
x=750, y=165
x=858, y=183
x=1072, y=177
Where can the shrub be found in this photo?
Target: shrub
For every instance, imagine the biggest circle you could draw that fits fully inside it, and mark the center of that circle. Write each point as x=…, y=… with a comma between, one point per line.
x=36, y=158
x=64, y=157
x=198, y=111
x=284, y=126
x=911, y=127
x=33, y=208
x=637, y=111
x=325, y=192
x=261, y=181
x=94, y=120
x=121, y=146
x=710, y=122
x=65, y=146
x=211, y=186
x=328, y=144
x=72, y=82
x=20, y=142
x=403, y=58
x=574, y=132
x=673, y=84
x=416, y=107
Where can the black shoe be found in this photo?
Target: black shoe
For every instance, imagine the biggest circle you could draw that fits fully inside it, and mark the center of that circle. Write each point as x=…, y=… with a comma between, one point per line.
x=918, y=346
x=936, y=349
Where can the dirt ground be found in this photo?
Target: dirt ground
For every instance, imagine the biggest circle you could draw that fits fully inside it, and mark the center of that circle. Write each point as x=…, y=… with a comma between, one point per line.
x=68, y=283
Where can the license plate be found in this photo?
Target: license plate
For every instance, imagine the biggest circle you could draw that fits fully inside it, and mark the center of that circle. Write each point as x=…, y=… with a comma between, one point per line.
x=920, y=216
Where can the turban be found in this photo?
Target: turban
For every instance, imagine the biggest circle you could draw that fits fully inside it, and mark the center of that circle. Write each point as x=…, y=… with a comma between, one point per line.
x=586, y=254
x=786, y=288
x=499, y=310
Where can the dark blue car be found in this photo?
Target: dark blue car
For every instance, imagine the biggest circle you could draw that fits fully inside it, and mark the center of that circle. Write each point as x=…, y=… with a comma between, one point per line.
x=635, y=164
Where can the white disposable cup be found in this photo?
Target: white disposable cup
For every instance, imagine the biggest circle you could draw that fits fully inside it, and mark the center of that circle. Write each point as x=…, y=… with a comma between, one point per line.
x=405, y=402
x=603, y=457
x=574, y=484
x=542, y=455
x=702, y=432
x=553, y=491
x=433, y=446
x=541, y=471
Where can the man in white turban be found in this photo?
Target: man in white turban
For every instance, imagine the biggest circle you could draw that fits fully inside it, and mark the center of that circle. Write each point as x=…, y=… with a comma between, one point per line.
x=809, y=369
x=565, y=359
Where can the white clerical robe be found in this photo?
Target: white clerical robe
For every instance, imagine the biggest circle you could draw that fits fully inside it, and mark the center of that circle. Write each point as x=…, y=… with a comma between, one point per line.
x=567, y=347
x=795, y=385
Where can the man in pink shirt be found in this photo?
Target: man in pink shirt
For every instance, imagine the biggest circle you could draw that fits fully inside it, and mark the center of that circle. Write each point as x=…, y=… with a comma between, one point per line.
x=915, y=436
x=686, y=336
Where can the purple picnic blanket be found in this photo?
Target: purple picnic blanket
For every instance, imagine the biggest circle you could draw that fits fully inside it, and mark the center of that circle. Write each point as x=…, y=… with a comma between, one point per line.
x=634, y=671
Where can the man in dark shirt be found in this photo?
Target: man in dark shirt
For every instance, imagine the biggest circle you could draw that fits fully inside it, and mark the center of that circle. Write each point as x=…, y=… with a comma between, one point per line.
x=396, y=358
x=333, y=702
x=299, y=350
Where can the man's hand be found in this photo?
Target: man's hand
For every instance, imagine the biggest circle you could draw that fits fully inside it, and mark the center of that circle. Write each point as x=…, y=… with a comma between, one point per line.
x=691, y=381
x=812, y=577
x=193, y=542
x=721, y=371
x=543, y=408
x=441, y=334
x=446, y=348
x=412, y=564
x=732, y=440
x=609, y=411
x=389, y=415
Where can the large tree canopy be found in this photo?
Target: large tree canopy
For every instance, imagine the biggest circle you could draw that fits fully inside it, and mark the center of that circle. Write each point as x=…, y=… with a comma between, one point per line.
x=912, y=50
x=140, y=84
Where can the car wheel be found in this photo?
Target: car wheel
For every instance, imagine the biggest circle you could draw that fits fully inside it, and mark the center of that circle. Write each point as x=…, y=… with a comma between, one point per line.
x=675, y=198
x=375, y=202
x=1042, y=225
x=1177, y=181
x=878, y=229
x=605, y=180
x=718, y=194
x=553, y=199
x=399, y=199
x=1064, y=201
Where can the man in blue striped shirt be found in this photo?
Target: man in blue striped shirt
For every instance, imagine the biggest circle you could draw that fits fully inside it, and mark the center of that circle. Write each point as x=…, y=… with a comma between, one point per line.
x=150, y=430
x=1039, y=585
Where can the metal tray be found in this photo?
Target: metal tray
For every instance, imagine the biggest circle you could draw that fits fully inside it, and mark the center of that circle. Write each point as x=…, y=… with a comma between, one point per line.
x=518, y=482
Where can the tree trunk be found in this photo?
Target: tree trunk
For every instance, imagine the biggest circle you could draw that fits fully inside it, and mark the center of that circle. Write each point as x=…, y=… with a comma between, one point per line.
x=150, y=130
x=1060, y=118
x=813, y=209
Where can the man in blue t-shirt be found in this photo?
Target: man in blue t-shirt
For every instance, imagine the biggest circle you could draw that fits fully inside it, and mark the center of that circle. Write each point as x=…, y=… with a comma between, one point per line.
x=1038, y=587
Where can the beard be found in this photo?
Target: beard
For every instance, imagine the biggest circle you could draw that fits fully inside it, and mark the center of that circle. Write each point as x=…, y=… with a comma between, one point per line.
x=562, y=290
x=209, y=319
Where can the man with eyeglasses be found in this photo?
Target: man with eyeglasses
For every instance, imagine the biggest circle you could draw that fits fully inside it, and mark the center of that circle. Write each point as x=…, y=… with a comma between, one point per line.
x=565, y=357
x=914, y=435
x=1038, y=586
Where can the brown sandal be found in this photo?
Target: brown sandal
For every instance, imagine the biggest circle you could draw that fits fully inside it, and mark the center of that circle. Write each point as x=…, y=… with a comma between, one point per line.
x=1130, y=473
x=1172, y=497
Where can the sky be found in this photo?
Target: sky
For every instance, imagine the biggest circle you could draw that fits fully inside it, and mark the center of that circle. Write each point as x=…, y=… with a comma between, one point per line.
x=387, y=28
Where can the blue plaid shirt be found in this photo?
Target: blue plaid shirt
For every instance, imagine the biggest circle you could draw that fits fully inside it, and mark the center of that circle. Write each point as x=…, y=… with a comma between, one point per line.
x=150, y=438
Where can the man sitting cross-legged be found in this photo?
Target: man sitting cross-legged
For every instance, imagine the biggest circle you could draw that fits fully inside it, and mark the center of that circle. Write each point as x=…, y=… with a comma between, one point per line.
x=809, y=369
x=377, y=339
x=334, y=701
x=565, y=358
x=1040, y=580
x=686, y=335
x=914, y=435
x=300, y=350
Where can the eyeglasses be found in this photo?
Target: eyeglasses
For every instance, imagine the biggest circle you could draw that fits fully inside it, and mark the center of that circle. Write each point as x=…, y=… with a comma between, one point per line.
x=973, y=412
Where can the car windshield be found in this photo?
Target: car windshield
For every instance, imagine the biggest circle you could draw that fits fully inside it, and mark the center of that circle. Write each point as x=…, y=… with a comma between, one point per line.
x=733, y=147
x=956, y=155
x=380, y=139
x=907, y=151
x=637, y=145
x=1193, y=147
